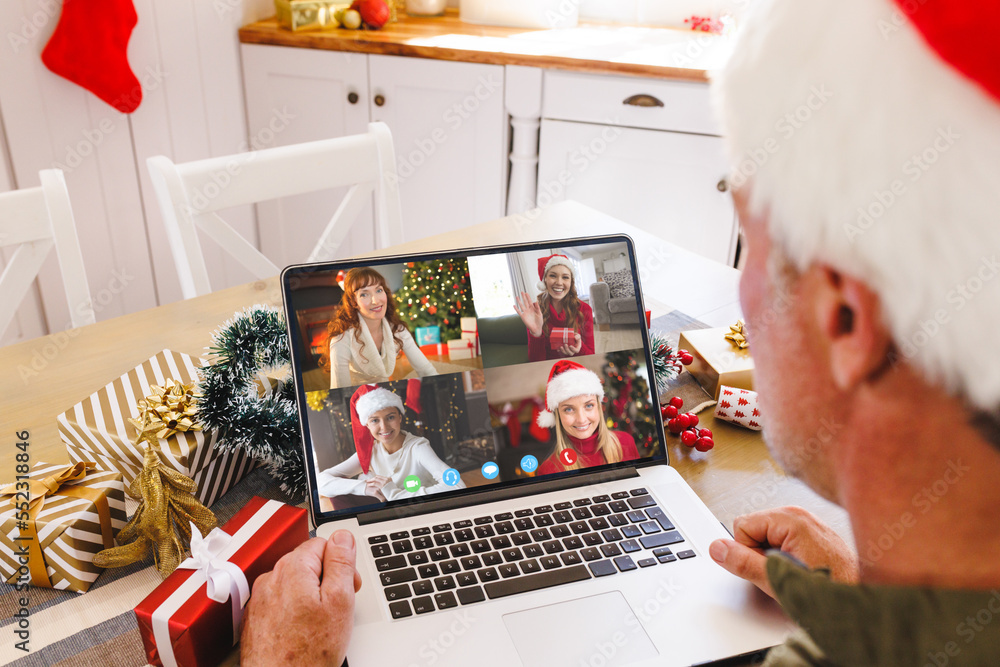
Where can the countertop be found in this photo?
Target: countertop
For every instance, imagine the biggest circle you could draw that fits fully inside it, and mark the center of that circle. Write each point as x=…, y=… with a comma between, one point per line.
x=590, y=47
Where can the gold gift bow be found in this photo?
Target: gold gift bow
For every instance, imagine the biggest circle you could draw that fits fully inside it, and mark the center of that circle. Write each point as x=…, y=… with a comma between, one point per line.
x=738, y=335
x=38, y=491
x=171, y=408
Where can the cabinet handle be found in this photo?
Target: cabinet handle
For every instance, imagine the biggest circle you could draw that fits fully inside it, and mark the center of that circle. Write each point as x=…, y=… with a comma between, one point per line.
x=643, y=100
x=352, y=97
x=379, y=100
x=722, y=185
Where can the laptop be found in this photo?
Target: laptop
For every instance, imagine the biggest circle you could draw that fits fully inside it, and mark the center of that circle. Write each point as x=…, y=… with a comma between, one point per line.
x=487, y=532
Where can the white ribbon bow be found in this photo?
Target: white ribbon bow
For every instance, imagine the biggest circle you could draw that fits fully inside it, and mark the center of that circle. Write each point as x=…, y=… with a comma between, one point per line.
x=225, y=580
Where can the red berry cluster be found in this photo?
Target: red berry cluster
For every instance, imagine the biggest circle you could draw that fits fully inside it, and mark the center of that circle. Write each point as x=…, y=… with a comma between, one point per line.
x=685, y=425
x=686, y=359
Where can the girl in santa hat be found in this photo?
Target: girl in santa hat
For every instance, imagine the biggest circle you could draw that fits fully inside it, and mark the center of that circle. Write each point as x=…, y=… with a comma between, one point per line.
x=367, y=335
x=573, y=399
x=385, y=455
x=557, y=307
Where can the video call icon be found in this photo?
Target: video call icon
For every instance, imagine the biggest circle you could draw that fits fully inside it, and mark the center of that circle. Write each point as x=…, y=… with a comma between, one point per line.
x=490, y=470
x=411, y=483
x=451, y=477
x=568, y=457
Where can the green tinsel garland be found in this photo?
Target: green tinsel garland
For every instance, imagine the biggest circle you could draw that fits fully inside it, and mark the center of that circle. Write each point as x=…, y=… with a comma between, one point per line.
x=266, y=428
x=666, y=362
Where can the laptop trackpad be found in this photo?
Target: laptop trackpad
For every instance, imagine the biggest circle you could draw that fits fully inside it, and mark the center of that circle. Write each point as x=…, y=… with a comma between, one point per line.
x=596, y=630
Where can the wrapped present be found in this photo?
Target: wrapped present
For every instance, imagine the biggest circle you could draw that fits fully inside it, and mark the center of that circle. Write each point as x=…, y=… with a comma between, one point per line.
x=560, y=336
x=470, y=331
x=97, y=429
x=439, y=349
x=461, y=348
x=716, y=361
x=193, y=618
x=427, y=335
x=738, y=406
x=57, y=518
x=308, y=14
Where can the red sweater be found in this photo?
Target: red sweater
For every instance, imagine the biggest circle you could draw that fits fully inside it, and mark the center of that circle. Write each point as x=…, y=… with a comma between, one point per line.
x=539, y=348
x=589, y=453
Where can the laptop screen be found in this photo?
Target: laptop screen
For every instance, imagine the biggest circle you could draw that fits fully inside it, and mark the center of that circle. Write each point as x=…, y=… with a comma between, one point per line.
x=458, y=372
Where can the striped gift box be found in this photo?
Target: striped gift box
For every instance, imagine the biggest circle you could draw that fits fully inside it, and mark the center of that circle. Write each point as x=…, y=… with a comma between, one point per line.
x=97, y=429
x=69, y=529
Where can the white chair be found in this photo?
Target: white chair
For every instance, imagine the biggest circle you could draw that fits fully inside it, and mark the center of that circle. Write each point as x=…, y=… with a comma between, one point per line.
x=190, y=193
x=38, y=219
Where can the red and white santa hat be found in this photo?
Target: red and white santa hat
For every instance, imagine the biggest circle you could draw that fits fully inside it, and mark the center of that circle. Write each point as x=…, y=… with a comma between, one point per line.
x=867, y=132
x=567, y=379
x=366, y=401
x=546, y=263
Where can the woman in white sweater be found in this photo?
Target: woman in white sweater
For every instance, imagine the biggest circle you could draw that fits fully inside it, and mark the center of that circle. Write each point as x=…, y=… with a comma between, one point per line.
x=386, y=455
x=367, y=335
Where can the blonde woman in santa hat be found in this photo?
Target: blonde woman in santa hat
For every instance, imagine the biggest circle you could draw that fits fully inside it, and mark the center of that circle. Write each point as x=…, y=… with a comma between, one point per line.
x=367, y=335
x=573, y=398
x=557, y=307
x=385, y=453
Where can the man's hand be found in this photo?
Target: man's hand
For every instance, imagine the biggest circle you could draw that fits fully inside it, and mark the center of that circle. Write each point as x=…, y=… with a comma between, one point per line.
x=792, y=530
x=302, y=612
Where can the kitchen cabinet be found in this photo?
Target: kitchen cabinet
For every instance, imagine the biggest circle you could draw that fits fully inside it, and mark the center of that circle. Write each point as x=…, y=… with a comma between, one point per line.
x=644, y=151
x=448, y=125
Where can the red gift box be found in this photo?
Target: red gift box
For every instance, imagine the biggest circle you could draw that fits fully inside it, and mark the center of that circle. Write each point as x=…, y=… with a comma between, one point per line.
x=561, y=336
x=201, y=631
x=434, y=348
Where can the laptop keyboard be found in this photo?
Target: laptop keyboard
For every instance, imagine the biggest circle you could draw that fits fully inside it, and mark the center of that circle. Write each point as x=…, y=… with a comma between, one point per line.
x=450, y=564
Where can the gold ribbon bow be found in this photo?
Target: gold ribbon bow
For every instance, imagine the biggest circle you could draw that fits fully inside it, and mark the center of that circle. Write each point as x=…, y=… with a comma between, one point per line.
x=35, y=495
x=168, y=410
x=738, y=335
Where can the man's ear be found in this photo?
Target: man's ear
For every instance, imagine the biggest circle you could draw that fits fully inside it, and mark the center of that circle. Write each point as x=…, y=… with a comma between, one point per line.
x=850, y=319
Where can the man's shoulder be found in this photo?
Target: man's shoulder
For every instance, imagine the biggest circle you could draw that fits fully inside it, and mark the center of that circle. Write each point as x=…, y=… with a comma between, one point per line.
x=850, y=624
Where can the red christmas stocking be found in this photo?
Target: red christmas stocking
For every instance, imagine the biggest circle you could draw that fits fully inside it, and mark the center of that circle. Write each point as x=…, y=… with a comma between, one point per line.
x=89, y=47
x=539, y=433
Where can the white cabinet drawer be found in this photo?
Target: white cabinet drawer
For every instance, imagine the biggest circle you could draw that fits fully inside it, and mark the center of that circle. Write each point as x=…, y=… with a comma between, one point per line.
x=593, y=98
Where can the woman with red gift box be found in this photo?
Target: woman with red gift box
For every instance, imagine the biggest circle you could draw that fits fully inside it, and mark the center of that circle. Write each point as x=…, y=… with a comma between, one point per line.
x=367, y=335
x=583, y=439
x=388, y=460
x=559, y=324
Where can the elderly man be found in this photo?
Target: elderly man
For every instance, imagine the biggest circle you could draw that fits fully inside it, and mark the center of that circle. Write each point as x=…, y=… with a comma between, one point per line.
x=865, y=141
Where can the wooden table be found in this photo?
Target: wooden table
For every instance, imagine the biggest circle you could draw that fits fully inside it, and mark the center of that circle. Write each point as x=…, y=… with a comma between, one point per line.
x=46, y=376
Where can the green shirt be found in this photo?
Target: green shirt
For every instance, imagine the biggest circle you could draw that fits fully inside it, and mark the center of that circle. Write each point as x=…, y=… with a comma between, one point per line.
x=848, y=625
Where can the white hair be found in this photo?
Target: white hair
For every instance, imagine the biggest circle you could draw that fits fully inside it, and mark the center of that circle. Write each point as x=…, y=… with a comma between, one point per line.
x=869, y=153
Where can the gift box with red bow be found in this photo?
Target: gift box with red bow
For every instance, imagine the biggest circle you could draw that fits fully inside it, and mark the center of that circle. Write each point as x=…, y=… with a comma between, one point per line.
x=54, y=518
x=461, y=348
x=193, y=618
x=560, y=336
x=470, y=331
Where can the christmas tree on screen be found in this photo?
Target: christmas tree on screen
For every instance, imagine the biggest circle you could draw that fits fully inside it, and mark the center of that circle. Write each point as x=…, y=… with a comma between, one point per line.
x=436, y=293
x=628, y=408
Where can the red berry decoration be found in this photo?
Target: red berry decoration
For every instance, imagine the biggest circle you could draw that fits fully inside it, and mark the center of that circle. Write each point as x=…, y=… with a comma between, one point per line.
x=704, y=433
x=684, y=420
x=668, y=411
x=686, y=357
x=704, y=444
x=694, y=418
x=375, y=13
x=689, y=438
x=677, y=402
x=674, y=426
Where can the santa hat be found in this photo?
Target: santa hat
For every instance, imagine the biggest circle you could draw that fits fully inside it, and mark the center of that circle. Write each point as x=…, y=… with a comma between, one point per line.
x=868, y=133
x=366, y=401
x=567, y=379
x=546, y=263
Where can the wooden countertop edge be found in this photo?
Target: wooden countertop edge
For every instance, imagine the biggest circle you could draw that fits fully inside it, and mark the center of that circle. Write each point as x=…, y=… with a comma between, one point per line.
x=268, y=32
